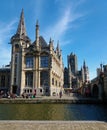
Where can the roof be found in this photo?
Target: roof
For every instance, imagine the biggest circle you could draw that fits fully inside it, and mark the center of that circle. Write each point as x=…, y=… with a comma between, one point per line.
x=42, y=42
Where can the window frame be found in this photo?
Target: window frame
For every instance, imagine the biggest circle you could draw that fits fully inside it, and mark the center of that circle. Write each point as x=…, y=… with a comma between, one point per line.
x=44, y=61
x=29, y=61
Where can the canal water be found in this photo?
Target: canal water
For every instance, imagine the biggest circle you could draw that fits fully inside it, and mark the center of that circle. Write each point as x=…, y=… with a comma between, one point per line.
x=53, y=112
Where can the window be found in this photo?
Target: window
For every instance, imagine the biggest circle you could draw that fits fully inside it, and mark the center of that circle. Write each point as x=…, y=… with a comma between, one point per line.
x=59, y=84
x=56, y=82
x=44, y=76
x=52, y=81
x=16, y=58
x=14, y=80
x=40, y=90
x=29, y=79
x=30, y=90
x=3, y=80
x=16, y=47
x=29, y=62
x=44, y=61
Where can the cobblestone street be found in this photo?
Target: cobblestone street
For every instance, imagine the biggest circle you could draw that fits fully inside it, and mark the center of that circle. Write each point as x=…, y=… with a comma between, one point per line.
x=53, y=125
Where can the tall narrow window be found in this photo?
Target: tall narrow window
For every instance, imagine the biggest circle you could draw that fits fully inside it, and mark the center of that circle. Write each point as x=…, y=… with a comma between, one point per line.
x=29, y=79
x=16, y=58
x=44, y=76
x=52, y=81
x=3, y=80
x=29, y=62
x=44, y=61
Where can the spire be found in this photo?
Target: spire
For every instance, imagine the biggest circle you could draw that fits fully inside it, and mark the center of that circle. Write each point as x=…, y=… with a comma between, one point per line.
x=50, y=41
x=37, y=33
x=37, y=23
x=58, y=48
x=21, y=27
x=84, y=64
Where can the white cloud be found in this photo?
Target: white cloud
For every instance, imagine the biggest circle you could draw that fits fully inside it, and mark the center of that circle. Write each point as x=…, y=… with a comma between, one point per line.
x=38, y=9
x=6, y=31
x=64, y=23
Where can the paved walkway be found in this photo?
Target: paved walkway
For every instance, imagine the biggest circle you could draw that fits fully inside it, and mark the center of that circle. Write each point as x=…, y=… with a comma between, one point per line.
x=53, y=125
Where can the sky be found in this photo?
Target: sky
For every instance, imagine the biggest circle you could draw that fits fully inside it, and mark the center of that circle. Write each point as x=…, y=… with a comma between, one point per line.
x=80, y=26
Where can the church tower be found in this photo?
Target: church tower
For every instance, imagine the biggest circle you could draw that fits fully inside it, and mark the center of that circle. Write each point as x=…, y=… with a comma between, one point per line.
x=19, y=42
x=72, y=61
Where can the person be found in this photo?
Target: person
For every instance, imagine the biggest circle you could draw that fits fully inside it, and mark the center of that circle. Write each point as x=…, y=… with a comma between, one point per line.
x=60, y=94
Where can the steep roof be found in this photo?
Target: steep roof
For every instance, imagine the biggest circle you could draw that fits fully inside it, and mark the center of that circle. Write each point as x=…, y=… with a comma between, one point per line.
x=42, y=42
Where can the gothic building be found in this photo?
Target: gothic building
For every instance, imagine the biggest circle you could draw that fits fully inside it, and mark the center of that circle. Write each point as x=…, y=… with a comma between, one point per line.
x=35, y=67
x=74, y=77
x=72, y=63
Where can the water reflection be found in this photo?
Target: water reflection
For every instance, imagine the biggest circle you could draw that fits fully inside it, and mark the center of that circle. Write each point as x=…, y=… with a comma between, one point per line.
x=53, y=112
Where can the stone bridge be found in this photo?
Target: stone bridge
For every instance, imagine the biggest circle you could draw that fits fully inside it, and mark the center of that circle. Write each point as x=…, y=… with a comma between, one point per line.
x=97, y=88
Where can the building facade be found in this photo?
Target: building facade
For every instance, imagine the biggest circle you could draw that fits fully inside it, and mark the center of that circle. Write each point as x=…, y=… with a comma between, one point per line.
x=35, y=67
x=5, y=79
x=74, y=78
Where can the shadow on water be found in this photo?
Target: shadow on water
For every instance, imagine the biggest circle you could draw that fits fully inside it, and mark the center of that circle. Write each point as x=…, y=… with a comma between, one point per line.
x=53, y=112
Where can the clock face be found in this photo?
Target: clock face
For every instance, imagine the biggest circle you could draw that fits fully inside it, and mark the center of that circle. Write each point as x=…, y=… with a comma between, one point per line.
x=16, y=47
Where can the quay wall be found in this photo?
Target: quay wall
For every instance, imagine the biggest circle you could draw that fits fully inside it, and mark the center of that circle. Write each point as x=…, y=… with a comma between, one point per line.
x=53, y=125
x=38, y=100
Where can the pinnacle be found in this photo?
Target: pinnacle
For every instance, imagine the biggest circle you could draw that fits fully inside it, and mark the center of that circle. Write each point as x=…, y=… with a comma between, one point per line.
x=21, y=27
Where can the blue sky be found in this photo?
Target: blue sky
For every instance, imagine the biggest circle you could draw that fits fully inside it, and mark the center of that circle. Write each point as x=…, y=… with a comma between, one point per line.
x=79, y=25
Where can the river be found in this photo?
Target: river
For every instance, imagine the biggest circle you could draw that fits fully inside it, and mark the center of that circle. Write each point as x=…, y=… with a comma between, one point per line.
x=53, y=112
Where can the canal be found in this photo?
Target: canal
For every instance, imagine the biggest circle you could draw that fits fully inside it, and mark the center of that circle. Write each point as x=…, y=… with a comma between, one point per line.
x=53, y=112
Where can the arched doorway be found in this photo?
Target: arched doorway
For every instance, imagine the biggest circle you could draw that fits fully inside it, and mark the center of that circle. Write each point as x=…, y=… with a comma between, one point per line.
x=95, y=90
x=14, y=89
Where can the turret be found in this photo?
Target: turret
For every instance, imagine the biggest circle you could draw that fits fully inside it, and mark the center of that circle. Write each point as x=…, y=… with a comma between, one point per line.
x=37, y=34
x=84, y=64
x=58, y=51
x=69, y=75
x=58, y=48
x=51, y=44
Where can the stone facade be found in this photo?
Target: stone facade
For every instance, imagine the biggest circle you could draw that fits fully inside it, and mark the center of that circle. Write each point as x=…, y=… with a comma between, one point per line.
x=5, y=78
x=74, y=78
x=35, y=67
